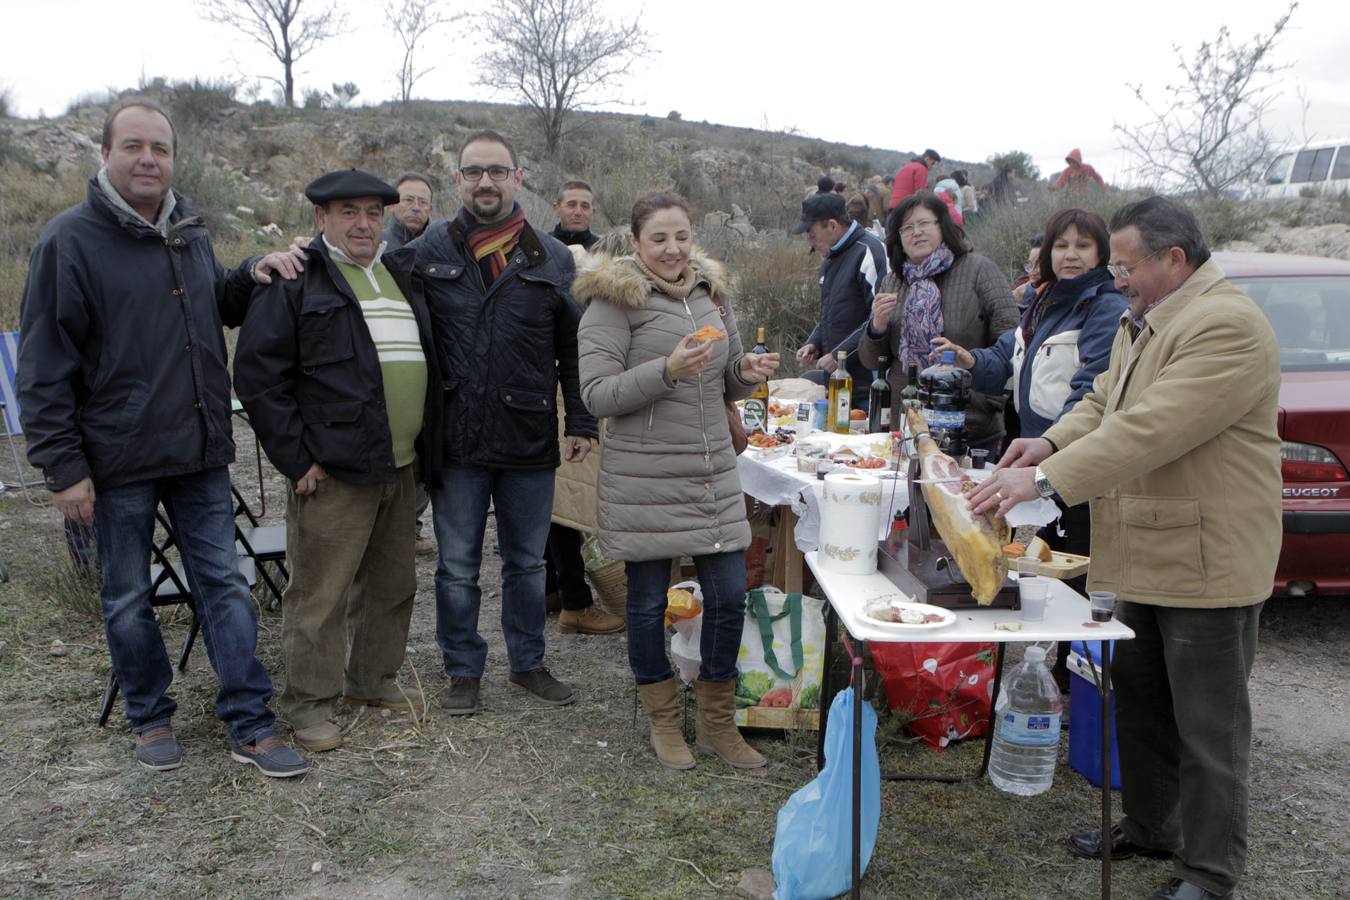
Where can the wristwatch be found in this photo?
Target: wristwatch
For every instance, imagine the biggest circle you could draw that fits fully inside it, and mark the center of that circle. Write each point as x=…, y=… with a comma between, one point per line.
x=1043, y=486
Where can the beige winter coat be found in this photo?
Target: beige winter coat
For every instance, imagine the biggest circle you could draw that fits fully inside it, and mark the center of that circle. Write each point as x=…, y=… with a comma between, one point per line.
x=1177, y=448
x=668, y=483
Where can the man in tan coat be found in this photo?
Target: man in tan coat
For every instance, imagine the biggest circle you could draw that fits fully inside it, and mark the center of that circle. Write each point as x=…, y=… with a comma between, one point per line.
x=1177, y=449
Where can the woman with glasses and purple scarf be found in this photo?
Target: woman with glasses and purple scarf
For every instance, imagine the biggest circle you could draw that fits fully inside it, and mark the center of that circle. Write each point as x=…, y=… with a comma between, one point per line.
x=937, y=288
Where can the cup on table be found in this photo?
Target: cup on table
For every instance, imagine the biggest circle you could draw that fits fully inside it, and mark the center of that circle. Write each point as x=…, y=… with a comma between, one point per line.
x=1033, y=591
x=978, y=458
x=1103, y=605
x=1028, y=567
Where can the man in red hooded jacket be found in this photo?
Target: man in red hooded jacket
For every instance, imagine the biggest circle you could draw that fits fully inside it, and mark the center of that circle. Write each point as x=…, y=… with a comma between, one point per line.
x=1078, y=175
x=912, y=177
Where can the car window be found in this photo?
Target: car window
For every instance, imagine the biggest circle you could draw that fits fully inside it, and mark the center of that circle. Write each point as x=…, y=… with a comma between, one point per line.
x=1302, y=166
x=1310, y=317
x=1321, y=164
x=1279, y=169
x=1342, y=167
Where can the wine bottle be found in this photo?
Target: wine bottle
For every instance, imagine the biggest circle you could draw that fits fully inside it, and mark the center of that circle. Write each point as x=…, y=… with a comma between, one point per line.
x=840, y=396
x=909, y=394
x=756, y=413
x=879, y=398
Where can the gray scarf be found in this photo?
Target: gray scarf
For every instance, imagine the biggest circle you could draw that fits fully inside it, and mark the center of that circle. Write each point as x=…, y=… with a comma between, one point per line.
x=165, y=209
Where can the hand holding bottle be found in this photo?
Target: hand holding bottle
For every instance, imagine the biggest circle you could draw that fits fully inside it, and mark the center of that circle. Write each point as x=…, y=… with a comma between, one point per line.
x=964, y=358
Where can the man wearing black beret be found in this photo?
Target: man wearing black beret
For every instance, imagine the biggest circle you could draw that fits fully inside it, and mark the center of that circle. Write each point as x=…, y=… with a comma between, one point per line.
x=338, y=373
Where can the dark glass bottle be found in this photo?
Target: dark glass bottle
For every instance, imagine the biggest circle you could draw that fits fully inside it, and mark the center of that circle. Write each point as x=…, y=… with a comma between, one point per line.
x=879, y=398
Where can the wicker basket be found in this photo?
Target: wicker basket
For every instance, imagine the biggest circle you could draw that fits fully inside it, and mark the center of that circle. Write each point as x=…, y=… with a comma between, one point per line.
x=611, y=587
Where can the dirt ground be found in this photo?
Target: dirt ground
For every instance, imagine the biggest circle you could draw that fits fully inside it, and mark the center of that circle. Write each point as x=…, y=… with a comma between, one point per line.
x=528, y=801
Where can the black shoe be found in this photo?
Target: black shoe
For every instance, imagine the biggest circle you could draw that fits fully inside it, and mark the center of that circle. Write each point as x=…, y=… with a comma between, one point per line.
x=544, y=686
x=460, y=696
x=1177, y=889
x=1088, y=845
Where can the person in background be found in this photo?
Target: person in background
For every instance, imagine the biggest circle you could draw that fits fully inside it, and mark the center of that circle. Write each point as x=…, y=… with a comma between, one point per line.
x=1001, y=190
x=841, y=188
x=949, y=193
x=912, y=177
x=853, y=261
x=408, y=217
x=970, y=204
x=1025, y=287
x=1177, y=445
x=824, y=185
x=1078, y=175
x=125, y=399
x=350, y=502
x=947, y=291
x=1061, y=344
x=669, y=485
x=575, y=209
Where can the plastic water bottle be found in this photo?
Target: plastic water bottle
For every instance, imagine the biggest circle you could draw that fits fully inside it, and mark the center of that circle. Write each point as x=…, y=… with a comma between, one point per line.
x=1026, y=731
x=944, y=391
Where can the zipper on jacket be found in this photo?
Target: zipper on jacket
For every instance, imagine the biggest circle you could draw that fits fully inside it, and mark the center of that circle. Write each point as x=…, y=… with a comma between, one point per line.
x=651, y=414
x=702, y=414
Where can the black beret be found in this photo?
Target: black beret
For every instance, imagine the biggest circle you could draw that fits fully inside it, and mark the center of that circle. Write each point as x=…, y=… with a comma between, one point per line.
x=348, y=184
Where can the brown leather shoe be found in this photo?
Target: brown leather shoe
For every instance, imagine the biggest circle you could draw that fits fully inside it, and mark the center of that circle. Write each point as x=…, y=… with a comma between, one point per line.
x=717, y=731
x=320, y=736
x=395, y=696
x=591, y=620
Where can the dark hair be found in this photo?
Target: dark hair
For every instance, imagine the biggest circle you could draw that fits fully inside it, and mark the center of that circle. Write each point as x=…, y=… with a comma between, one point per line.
x=650, y=205
x=825, y=184
x=492, y=137
x=1036, y=241
x=961, y=177
x=856, y=207
x=952, y=235
x=840, y=187
x=575, y=185
x=414, y=176
x=1164, y=223
x=142, y=103
x=1088, y=223
x=932, y=154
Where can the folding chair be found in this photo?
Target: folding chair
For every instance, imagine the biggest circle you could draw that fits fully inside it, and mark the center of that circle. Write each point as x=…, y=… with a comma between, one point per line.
x=261, y=543
x=9, y=416
x=169, y=586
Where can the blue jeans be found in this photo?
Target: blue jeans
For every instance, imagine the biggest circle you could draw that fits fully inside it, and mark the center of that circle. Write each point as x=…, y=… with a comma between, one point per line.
x=201, y=512
x=523, y=501
x=722, y=578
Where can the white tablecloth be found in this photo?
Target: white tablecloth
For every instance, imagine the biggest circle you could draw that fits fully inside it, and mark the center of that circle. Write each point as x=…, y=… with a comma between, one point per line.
x=778, y=483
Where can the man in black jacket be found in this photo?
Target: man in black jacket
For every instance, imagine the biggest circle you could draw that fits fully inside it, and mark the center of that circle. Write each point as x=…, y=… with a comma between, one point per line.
x=338, y=374
x=505, y=327
x=575, y=208
x=410, y=215
x=126, y=404
x=852, y=262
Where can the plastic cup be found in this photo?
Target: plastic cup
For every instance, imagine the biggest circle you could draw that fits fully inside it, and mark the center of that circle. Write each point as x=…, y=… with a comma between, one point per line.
x=1033, y=591
x=1028, y=567
x=1103, y=605
x=978, y=458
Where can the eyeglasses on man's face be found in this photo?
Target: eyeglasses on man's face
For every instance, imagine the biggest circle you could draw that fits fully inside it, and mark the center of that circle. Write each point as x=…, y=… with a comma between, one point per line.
x=1119, y=271
x=917, y=225
x=475, y=173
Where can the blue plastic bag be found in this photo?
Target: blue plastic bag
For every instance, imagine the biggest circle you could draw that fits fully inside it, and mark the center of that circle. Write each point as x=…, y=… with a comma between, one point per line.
x=815, y=828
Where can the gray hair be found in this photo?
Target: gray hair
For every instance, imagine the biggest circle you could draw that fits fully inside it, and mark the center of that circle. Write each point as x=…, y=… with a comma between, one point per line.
x=1164, y=223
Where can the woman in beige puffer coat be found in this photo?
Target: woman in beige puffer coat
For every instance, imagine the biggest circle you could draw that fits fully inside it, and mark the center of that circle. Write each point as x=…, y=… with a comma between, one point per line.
x=668, y=483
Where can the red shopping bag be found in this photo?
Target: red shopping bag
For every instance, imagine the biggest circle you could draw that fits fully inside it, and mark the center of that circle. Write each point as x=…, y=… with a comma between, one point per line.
x=946, y=688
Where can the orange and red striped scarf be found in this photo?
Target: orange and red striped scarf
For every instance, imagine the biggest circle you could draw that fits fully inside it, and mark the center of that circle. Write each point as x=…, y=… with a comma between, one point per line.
x=494, y=243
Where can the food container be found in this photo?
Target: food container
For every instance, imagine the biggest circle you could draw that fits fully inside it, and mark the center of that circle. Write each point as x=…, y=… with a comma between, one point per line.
x=818, y=421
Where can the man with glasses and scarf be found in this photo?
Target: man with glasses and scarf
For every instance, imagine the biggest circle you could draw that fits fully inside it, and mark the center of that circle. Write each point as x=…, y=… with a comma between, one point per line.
x=505, y=329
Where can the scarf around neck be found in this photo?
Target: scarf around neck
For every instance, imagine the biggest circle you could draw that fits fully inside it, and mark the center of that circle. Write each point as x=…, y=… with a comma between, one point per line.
x=921, y=318
x=679, y=289
x=494, y=243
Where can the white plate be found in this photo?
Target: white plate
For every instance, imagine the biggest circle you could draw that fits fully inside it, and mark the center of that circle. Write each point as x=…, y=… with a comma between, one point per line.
x=884, y=602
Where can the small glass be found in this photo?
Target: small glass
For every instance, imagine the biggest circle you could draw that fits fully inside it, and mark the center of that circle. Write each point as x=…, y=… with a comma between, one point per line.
x=1028, y=567
x=978, y=458
x=1103, y=605
x=1033, y=591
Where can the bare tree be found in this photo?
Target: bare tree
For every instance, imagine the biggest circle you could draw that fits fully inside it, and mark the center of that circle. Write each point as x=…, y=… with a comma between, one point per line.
x=412, y=20
x=556, y=55
x=279, y=28
x=1207, y=134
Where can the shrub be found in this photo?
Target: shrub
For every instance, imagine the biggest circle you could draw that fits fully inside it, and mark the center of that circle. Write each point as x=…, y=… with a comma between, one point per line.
x=776, y=288
x=200, y=103
x=28, y=200
x=1002, y=233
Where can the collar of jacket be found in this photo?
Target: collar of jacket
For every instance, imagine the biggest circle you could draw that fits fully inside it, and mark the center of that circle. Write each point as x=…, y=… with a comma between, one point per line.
x=1080, y=290
x=1201, y=280
x=399, y=262
x=184, y=221
x=621, y=282
x=529, y=242
x=854, y=235
x=570, y=238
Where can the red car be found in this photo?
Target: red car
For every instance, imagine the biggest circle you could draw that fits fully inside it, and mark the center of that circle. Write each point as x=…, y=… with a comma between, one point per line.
x=1307, y=300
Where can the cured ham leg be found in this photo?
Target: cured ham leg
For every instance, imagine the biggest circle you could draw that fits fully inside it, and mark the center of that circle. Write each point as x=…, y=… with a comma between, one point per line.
x=975, y=541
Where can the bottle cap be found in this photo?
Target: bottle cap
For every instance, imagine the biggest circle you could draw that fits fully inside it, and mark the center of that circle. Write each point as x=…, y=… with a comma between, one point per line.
x=948, y=357
x=1034, y=654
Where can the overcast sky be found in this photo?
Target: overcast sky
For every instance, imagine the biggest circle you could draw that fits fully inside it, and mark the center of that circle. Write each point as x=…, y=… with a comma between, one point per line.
x=1038, y=77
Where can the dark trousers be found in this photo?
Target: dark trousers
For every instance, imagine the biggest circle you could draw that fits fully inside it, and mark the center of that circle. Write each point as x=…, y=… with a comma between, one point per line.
x=1076, y=522
x=564, y=568
x=1184, y=728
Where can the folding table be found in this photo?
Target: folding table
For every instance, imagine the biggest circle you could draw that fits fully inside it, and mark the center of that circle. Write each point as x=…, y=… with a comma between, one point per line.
x=1067, y=618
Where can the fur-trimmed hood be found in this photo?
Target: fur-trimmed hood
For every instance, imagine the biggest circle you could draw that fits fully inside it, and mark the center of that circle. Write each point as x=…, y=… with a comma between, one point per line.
x=618, y=280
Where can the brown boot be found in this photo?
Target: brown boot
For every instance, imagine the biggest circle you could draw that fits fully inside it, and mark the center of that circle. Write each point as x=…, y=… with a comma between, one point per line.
x=717, y=731
x=591, y=620
x=663, y=708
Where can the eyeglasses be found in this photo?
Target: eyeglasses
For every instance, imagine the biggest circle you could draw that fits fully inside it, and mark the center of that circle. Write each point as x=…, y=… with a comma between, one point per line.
x=475, y=173
x=1124, y=271
x=917, y=225
x=1030, y=267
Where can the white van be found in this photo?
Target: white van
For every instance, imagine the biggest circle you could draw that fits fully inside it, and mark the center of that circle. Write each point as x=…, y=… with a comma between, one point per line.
x=1322, y=168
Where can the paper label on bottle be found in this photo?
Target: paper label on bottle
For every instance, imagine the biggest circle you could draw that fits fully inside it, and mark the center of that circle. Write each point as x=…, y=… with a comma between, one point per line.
x=1029, y=731
x=841, y=407
x=756, y=414
x=944, y=419
x=885, y=418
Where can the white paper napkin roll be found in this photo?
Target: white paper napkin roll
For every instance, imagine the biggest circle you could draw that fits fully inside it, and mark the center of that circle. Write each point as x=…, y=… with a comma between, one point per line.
x=850, y=518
